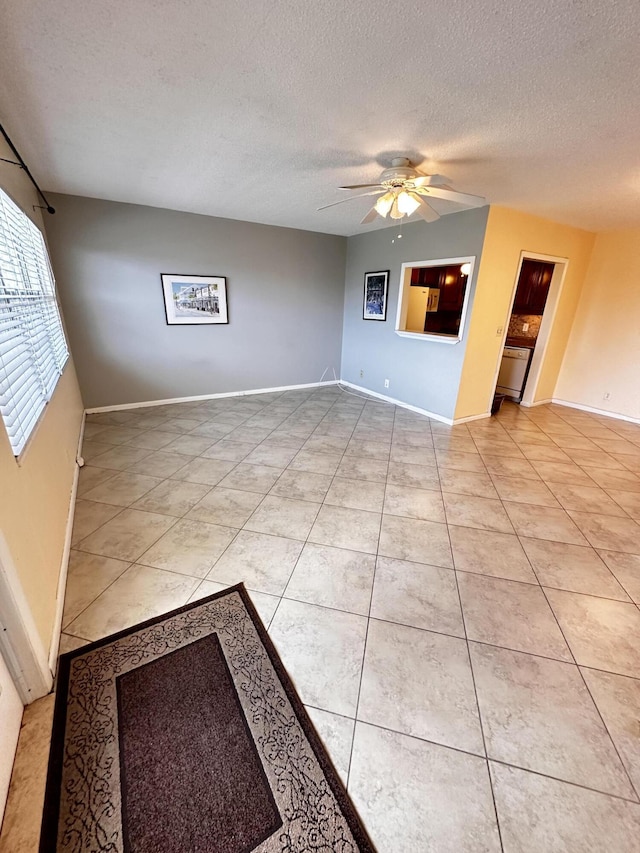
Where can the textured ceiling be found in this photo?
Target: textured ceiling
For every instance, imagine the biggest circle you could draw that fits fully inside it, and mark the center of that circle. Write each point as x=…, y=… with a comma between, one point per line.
x=258, y=110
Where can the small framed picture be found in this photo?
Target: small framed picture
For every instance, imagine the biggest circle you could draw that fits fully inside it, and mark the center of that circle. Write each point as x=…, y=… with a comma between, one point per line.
x=194, y=300
x=375, y=295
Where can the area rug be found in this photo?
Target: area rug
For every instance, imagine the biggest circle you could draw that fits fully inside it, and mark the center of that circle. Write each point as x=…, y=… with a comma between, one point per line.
x=185, y=735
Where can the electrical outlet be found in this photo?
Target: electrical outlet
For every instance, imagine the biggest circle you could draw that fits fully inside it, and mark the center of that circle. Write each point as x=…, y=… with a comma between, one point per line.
x=606, y=396
x=499, y=330
x=525, y=327
x=361, y=373
x=386, y=383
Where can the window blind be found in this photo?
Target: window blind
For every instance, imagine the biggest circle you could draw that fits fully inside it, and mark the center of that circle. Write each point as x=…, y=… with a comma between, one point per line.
x=33, y=349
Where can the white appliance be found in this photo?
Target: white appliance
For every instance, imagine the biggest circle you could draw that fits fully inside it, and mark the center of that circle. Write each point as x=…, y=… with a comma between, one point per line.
x=513, y=371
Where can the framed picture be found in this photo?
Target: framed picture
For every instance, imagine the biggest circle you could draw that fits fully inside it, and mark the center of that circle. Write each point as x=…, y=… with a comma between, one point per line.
x=194, y=300
x=374, y=305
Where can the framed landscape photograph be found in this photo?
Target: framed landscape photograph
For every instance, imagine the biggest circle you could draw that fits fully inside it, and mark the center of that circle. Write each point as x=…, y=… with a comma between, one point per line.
x=194, y=300
x=375, y=295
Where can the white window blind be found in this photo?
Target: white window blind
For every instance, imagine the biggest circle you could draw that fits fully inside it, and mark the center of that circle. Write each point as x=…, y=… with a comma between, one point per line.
x=33, y=349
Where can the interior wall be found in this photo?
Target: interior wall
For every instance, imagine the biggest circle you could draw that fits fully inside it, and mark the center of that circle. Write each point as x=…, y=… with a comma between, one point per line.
x=603, y=353
x=508, y=233
x=422, y=373
x=284, y=288
x=35, y=494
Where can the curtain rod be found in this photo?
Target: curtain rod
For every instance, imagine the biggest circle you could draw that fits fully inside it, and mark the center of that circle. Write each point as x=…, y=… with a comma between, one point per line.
x=24, y=166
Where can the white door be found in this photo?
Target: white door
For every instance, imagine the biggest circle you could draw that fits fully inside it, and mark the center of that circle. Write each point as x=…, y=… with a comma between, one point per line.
x=10, y=720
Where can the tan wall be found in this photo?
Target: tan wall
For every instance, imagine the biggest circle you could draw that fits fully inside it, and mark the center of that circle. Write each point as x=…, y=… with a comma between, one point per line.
x=509, y=233
x=34, y=495
x=603, y=354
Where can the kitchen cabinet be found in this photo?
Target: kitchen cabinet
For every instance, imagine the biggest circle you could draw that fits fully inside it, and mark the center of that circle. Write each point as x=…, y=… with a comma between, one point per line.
x=452, y=288
x=533, y=287
x=426, y=276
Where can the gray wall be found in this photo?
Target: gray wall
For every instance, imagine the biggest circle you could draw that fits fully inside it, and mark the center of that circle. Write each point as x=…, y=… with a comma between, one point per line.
x=285, y=294
x=422, y=373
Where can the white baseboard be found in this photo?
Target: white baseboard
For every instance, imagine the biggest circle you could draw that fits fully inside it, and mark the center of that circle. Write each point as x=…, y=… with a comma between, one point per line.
x=536, y=403
x=203, y=397
x=593, y=411
x=64, y=563
x=471, y=418
x=395, y=402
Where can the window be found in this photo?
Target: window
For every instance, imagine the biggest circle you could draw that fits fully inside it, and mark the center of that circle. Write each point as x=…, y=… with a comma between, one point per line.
x=433, y=299
x=33, y=349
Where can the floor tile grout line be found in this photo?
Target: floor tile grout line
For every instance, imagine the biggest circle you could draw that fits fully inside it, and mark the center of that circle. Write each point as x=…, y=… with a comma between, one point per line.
x=282, y=595
x=100, y=526
x=545, y=586
x=418, y=627
x=475, y=688
x=564, y=781
x=584, y=681
x=595, y=704
x=64, y=626
x=368, y=623
x=76, y=637
x=160, y=482
x=575, y=592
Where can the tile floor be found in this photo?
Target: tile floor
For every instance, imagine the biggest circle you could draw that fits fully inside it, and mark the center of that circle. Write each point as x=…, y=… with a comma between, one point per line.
x=458, y=606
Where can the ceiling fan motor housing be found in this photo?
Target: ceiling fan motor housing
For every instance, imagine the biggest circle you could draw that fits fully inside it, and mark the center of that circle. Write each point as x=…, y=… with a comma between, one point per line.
x=400, y=172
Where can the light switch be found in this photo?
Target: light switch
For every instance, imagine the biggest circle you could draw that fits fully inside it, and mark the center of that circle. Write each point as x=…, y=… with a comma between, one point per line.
x=525, y=327
x=499, y=330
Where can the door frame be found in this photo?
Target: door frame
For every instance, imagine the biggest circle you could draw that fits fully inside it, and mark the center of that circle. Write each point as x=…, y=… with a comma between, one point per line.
x=548, y=318
x=20, y=643
x=11, y=712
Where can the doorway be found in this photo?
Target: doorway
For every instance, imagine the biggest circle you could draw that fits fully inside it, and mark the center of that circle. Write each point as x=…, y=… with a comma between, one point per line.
x=536, y=292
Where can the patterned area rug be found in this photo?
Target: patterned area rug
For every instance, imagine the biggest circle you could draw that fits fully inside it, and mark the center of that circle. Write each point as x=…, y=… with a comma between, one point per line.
x=185, y=735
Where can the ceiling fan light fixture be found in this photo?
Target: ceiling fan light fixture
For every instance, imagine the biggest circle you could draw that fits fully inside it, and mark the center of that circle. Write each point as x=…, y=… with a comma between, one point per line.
x=395, y=212
x=384, y=203
x=402, y=191
x=407, y=204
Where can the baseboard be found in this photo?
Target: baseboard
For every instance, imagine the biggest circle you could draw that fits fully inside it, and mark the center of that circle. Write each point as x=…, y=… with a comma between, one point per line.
x=593, y=411
x=471, y=418
x=395, y=402
x=536, y=403
x=64, y=563
x=202, y=397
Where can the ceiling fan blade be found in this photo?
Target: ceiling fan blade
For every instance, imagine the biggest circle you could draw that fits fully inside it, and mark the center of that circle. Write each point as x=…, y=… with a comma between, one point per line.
x=360, y=195
x=373, y=213
x=452, y=195
x=359, y=186
x=430, y=181
x=426, y=211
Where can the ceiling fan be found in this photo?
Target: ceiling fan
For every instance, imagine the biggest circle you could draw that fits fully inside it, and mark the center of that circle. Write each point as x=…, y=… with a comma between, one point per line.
x=403, y=190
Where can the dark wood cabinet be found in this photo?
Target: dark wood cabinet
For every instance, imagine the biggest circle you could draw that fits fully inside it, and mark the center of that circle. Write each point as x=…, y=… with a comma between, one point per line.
x=426, y=276
x=452, y=287
x=533, y=287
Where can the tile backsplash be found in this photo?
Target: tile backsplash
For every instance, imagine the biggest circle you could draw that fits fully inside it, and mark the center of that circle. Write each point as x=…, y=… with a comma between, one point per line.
x=516, y=322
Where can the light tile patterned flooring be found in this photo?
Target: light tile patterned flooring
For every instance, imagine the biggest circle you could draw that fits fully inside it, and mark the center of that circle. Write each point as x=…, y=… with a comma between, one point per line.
x=458, y=606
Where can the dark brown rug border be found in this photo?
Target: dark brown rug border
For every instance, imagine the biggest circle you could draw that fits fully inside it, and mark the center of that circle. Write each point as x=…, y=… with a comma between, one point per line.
x=51, y=809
